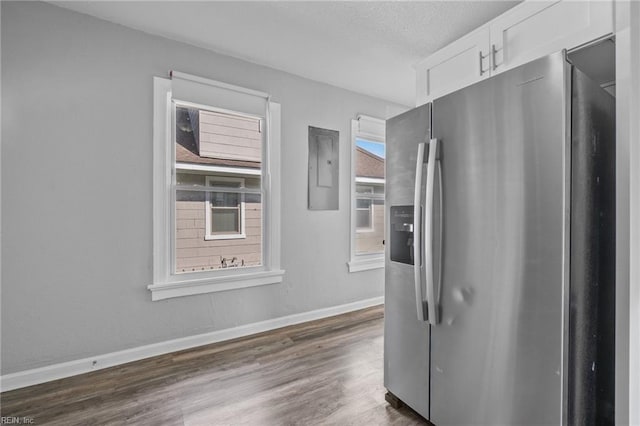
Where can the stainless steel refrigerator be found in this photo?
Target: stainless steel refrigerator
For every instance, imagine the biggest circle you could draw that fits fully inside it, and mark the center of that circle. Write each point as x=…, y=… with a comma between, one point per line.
x=499, y=281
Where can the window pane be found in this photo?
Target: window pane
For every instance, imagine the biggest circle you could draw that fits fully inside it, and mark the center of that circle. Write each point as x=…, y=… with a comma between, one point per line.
x=200, y=246
x=227, y=183
x=199, y=178
x=225, y=221
x=369, y=163
x=217, y=229
x=362, y=203
x=224, y=199
x=216, y=137
x=364, y=189
x=219, y=245
x=363, y=218
x=376, y=148
x=370, y=240
x=190, y=178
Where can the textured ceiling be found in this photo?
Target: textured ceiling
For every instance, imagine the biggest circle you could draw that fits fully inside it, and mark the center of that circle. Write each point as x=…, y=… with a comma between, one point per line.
x=367, y=47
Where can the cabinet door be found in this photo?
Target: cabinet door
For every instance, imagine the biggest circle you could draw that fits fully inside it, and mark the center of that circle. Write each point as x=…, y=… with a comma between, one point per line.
x=535, y=29
x=459, y=64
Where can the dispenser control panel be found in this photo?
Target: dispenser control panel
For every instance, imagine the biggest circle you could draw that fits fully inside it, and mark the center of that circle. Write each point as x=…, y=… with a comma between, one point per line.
x=401, y=235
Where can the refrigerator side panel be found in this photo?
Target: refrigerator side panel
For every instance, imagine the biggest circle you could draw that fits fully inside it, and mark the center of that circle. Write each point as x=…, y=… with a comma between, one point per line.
x=406, y=339
x=592, y=311
x=496, y=355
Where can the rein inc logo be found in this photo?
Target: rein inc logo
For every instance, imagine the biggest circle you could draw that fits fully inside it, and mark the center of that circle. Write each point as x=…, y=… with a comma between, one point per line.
x=12, y=420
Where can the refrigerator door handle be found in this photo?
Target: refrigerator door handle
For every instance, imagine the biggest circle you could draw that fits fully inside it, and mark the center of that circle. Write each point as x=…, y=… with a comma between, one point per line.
x=432, y=161
x=418, y=240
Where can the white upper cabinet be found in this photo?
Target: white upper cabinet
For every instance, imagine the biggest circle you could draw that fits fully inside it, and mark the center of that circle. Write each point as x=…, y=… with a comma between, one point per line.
x=535, y=29
x=457, y=65
x=528, y=31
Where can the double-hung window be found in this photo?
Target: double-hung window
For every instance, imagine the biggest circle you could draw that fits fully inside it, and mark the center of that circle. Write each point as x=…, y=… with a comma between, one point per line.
x=216, y=186
x=225, y=213
x=367, y=194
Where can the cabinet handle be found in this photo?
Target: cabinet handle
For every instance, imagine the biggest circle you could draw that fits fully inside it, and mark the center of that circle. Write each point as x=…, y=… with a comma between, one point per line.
x=494, y=65
x=481, y=57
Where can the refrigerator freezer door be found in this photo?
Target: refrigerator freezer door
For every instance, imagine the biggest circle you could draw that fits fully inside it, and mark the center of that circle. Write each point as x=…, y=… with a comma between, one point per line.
x=591, y=373
x=496, y=355
x=406, y=338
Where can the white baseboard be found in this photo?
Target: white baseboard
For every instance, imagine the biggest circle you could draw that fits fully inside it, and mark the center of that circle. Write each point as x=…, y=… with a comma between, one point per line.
x=36, y=376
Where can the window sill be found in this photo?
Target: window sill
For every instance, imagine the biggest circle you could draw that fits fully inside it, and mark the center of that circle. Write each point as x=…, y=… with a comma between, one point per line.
x=357, y=265
x=211, y=237
x=213, y=284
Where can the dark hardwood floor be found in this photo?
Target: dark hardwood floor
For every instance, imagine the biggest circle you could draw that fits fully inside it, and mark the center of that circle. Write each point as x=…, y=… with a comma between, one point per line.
x=322, y=372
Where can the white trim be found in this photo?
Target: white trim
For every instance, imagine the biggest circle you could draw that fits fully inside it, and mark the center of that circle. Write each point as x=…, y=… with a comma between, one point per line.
x=352, y=196
x=215, y=83
x=218, y=169
x=165, y=281
x=366, y=263
x=213, y=237
x=1, y=173
x=36, y=376
x=360, y=179
x=272, y=186
x=207, y=212
x=634, y=221
x=162, y=159
x=370, y=129
x=371, y=137
x=627, y=338
x=230, y=281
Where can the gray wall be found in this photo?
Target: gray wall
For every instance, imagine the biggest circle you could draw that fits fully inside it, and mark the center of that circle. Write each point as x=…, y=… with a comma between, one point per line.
x=77, y=181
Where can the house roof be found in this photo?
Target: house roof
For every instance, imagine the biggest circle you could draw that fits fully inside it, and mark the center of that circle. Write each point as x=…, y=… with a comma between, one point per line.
x=369, y=164
x=187, y=152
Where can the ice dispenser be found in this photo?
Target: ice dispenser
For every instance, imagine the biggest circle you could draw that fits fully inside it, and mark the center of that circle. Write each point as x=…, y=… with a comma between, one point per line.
x=401, y=235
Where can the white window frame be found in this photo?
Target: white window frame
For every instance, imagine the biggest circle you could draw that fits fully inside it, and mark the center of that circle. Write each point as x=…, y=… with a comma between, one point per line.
x=209, y=235
x=166, y=283
x=370, y=129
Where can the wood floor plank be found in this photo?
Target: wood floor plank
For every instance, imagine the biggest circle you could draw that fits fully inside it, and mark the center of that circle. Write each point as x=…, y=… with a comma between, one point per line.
x=325, y=372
